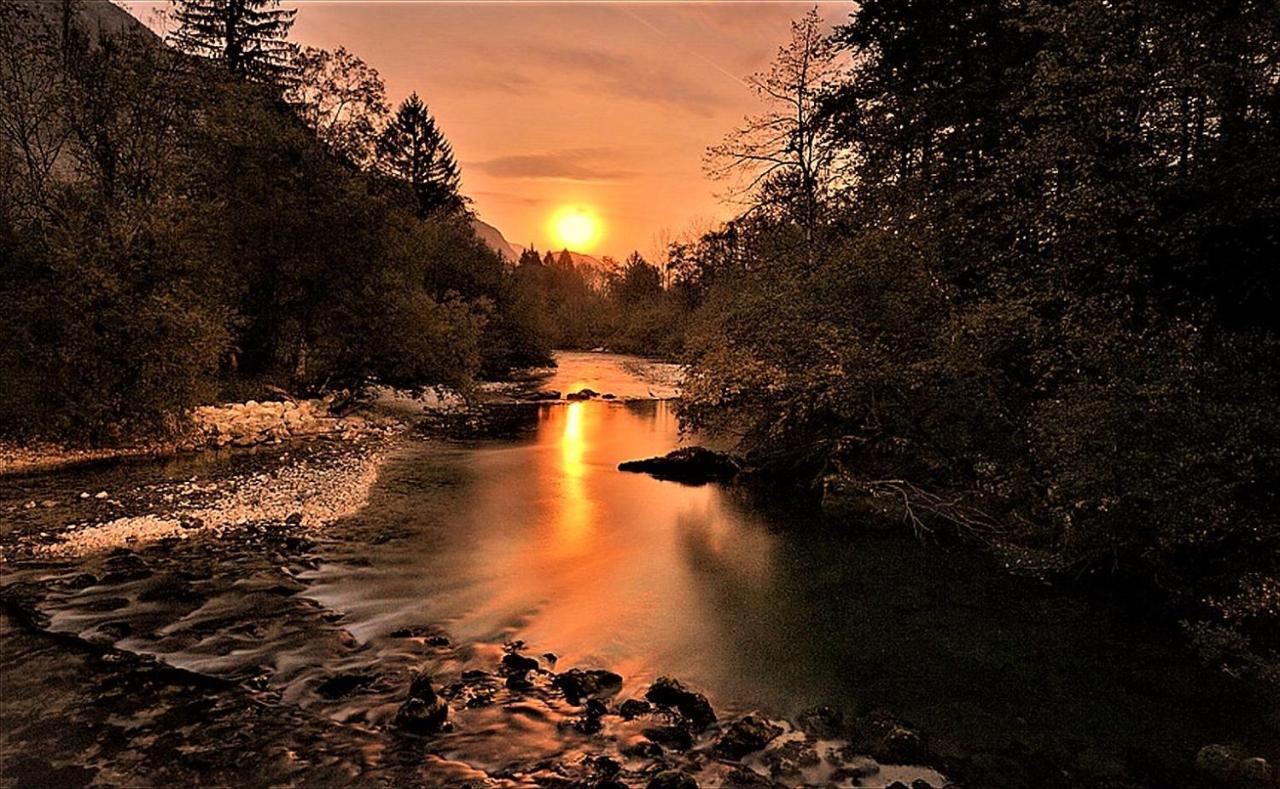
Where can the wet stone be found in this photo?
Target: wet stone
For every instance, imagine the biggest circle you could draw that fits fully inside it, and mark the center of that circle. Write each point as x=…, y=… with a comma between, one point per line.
x=690, y=465
x=634, y=708
x=578, y=684
x=669, y=692
x=742, y=778
x=423, y=712
x=518, y=664
x=340, y=685
x=519, y=682
x=790, y=758
x=746, y=735
x=855, y=769
x=901, y=745
x=823, y=722
x=644, y=749
x=677, y=738
x=672, y=779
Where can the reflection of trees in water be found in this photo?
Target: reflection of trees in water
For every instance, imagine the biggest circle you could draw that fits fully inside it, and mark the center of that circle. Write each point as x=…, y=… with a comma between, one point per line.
x=874, y=621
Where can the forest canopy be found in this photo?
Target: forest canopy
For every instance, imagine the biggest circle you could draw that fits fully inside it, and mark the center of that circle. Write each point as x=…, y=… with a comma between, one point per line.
x=224, y=215
x=1009, y=271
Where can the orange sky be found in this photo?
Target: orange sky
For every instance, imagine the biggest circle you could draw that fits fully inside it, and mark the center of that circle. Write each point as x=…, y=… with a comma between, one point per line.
x=606, y=104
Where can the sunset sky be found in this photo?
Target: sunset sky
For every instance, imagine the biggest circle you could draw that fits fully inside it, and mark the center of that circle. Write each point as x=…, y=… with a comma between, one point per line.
x=608, y=105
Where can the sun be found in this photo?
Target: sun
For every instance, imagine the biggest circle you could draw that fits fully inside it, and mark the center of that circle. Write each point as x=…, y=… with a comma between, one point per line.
x=575, y=228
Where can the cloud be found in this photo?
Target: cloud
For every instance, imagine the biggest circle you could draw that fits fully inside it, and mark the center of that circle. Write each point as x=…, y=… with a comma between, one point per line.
x=570, y=164
x=652, y=80
x=663, y=81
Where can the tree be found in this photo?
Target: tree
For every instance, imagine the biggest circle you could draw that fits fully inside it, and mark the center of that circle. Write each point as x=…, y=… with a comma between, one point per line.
x=342, y=99
x=113, y=318
x=249, y=37
x=414, y=151
x=1043, y=309
x=529, y=258
x=782, y=159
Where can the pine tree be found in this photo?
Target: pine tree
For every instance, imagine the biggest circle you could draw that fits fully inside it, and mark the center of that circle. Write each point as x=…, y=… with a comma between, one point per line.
x=250, y=37
x=412, y=149
x=530, y=257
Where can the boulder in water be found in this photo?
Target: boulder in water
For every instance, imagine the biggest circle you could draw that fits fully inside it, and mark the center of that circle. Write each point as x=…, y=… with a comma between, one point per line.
x=513, y=663
x=690, y=465
x=672, y=779
x=744, y=736
x=634, y=708
x=423, y=712
x=577, y=684
x=669, y=692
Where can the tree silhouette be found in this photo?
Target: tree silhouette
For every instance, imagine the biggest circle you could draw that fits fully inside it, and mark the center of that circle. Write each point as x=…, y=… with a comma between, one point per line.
x=342, y=98
x=412, y=149
x=781, y=159
x=250, y=37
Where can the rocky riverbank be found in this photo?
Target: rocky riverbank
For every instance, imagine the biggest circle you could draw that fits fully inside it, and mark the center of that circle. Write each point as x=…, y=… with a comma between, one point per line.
x=236, y=425
x=310, y=492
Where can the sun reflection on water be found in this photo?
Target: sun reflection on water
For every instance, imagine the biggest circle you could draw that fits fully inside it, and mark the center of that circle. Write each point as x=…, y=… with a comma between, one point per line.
x=573, y=523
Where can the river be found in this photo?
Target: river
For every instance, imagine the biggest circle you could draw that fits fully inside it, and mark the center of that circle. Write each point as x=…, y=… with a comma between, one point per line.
x=533, y=537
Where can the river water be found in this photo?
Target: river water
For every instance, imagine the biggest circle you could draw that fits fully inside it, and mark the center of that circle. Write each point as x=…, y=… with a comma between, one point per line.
x=469, y=545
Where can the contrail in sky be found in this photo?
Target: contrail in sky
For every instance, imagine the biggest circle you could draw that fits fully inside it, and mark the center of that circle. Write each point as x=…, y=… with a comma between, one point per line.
x=697, y=55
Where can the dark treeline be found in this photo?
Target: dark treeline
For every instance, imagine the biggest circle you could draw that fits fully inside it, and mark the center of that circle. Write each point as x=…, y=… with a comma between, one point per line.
x=1010, y=270
x=222, y=215
x=634, y=307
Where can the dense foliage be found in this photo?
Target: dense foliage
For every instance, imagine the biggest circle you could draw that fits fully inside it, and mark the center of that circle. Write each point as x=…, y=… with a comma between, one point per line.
x=1038, y=302
x=171, y=232
x=249, y=37
x=633, y=307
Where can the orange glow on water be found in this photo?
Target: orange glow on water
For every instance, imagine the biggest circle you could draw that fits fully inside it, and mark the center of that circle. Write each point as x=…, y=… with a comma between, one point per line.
x=573, y=526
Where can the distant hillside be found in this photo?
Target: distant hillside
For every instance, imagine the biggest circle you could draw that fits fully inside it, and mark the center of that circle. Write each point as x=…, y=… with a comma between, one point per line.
x=496, y=241
x=594, y=270
x=97, y=16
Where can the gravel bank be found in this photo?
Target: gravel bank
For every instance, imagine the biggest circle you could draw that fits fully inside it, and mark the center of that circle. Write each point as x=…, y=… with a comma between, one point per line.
x=311, y=492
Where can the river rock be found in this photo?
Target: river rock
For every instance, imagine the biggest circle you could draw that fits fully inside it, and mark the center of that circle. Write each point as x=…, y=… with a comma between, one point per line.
x=672, y=779
x=1253, y=772
x=590, y=723
x=634, y=708
x=790, y=758
x=690, y=465
x=677, y=738
x=582, y=394
x=745, y=735
x=518, y=664
x=644, y=749
x=577, y=684
x=669, y=692
x=823, y=722
x=743, y=778
x=1217, y=760
x=423, y=712
x=340, y=685
x=900, y=745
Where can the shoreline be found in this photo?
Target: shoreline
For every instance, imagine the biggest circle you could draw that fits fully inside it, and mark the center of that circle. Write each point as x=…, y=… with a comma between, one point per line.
x=160, y=594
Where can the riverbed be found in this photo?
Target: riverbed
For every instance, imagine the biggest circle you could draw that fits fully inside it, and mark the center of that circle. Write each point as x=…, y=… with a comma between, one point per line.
x=280, y=652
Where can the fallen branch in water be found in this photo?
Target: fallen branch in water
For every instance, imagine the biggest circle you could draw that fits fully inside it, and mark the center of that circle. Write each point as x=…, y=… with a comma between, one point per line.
x=917, y=503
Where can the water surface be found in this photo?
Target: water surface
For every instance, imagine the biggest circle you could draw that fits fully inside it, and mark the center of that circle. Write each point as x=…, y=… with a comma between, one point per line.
x=467, y=546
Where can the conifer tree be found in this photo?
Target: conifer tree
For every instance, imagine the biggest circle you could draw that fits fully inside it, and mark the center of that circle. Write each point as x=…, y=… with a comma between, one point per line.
x=412, y=149
x=250, y=37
